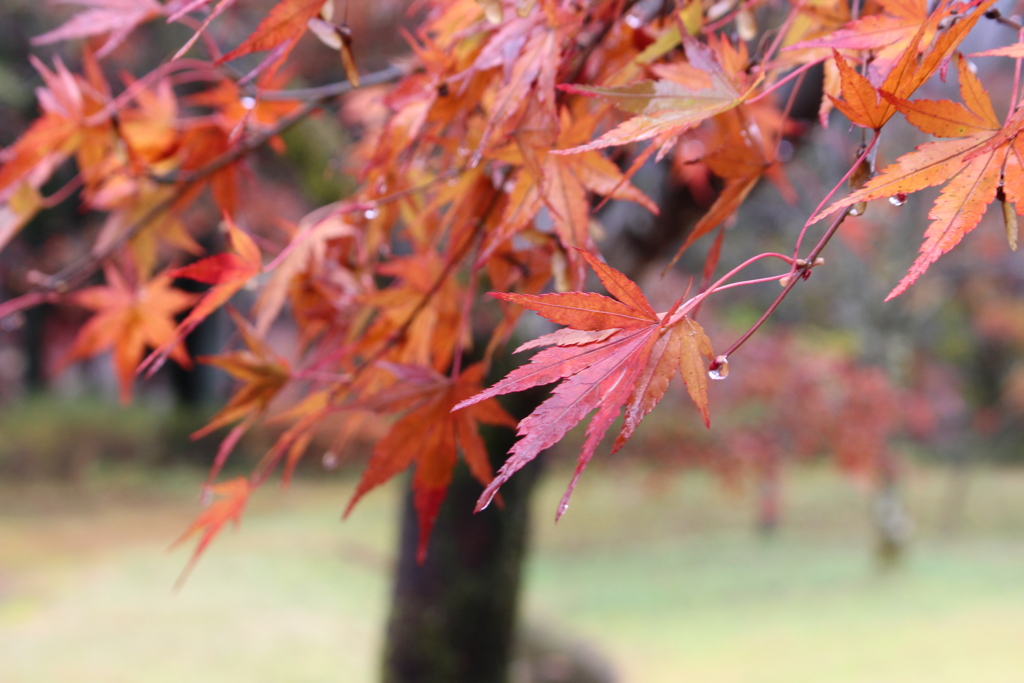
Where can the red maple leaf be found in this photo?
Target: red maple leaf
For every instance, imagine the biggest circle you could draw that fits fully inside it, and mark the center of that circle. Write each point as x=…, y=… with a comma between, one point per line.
x=285, y=23
x=616, y=353
x=429, y=434
x=227, y=272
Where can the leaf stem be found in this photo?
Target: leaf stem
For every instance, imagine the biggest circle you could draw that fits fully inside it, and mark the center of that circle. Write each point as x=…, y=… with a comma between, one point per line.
x=718, y=285
x=800, y=71
x=802, y=272
x=1016, y=77
x=756, y=281
x=861, y=158
x=782, y=30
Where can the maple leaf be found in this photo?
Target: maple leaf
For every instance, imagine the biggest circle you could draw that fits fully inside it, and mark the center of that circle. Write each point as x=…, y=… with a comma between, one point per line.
x=686, y=95
x=425, y=306
x=741, y=152
x=66, y=101
x=815, y=18
x=116, y=17
x=888, y=34
x=527, y=48
x=977, y=160
x=262, y=373
x=1015, y=51
x=227, y=272
x=307, y=251
x=865, y=105
x=429, y=434
x=562, y=184
x=229, y=500
x=629, y=368
x=128, y=319
x=17, y=208
x=234, y=109
x=285, y=23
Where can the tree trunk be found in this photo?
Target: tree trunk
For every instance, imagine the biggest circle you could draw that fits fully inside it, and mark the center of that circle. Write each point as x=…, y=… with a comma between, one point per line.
x=453, y=617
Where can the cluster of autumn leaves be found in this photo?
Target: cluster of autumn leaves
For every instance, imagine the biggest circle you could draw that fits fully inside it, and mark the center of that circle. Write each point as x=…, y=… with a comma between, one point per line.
x=479, y=170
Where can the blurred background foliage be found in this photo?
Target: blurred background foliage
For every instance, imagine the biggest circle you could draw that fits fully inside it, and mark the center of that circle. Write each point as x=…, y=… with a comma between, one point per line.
x=918, y=402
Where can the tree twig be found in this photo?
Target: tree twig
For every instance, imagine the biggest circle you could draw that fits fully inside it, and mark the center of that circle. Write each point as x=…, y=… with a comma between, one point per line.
x=317, y=97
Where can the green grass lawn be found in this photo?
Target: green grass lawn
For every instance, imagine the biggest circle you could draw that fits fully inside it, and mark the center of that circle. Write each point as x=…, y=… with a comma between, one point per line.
x=661, y=575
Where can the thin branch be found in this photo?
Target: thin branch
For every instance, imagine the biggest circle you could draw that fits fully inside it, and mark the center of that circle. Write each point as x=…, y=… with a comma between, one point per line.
x=863, y=155
x=331, y=90
x=802, y=272
x=253, y=143
x=75, y=274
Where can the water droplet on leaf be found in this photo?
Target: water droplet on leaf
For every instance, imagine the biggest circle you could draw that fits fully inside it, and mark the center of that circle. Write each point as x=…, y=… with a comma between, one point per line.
x=898, y=199
x=370, y=214
x=248, y=103
x=719, y=368
x=858, y=209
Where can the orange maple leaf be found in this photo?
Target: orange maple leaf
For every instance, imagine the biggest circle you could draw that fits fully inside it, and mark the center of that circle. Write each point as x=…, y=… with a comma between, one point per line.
x=562, y=184
x=262, y=372
x=742, y=149
x=865, y=105
x=429, y=435
x=229, y=500
x=424, y=305
x=128, y=319
x=628, y=362
x=67, y=101
x=979, y=158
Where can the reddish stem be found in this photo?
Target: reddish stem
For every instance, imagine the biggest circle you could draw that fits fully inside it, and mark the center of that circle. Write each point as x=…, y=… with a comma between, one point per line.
x=1016, y=77
x=695, y=301
x=804, y=271
x=788, y=77
x=790, y=18
x=756, y=281
x=785, y=114
x=862, y=157
x=63, y=193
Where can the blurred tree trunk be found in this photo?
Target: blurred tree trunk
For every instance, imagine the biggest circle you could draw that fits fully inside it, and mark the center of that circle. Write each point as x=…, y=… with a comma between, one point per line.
x=452, y=617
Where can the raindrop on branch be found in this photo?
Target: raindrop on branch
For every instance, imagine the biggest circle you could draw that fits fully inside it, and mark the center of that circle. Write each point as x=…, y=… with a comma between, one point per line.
x=719, y=368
